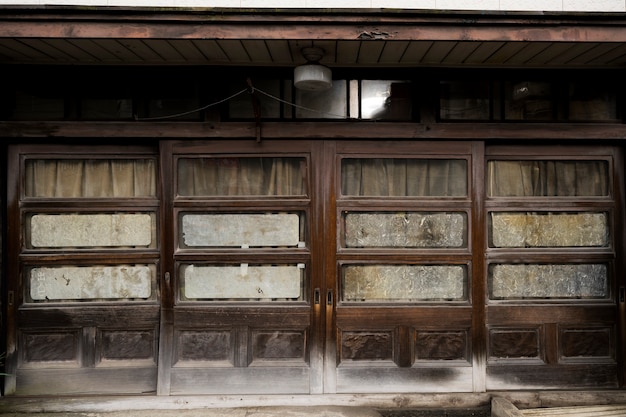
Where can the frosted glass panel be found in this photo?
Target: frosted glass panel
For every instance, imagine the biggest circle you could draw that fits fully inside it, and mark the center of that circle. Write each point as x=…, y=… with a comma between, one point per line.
x=390, y=283
x=405, y=230
x=91, y=283
x=242, y=282
x=519, y=230
x=90, y=230
x=241, y=230
x=553, y=281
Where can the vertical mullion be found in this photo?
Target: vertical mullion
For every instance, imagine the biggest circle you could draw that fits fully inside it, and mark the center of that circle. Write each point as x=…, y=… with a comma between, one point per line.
x=479, y=273
x=167, y=276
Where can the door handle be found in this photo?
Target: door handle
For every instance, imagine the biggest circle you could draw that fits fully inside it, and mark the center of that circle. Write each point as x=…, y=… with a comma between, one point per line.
x=316, y=296
x=329, y=298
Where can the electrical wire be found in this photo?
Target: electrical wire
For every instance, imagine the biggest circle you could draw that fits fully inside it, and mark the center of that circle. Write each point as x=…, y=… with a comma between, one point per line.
x=297, y=106
x=249, y=90
x=171, y=116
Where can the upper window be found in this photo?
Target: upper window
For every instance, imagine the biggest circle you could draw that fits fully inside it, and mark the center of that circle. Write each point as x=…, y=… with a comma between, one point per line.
x=242, y=176
x=401, y=177
x=554, y=178
x=90, y=178
x=524, y=100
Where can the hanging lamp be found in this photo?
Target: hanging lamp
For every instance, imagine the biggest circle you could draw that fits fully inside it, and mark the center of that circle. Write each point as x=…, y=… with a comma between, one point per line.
x=312, y=76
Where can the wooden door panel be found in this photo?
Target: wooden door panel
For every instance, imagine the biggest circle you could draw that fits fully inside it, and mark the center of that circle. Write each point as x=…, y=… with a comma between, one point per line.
x=87, y=350
x=87, y=381
x=549, y=377
x=376, y=379
x=551, y=347
x=240, y=381
x=425, y=354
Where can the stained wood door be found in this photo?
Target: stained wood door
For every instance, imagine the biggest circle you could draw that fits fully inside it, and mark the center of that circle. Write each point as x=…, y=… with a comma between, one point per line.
x=553, y=267
x=408, y=304
x=83, y=270
x=241, y=311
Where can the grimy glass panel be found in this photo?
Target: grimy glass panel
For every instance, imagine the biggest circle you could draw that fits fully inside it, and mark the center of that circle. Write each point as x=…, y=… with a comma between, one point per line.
x=528, y=100
x=243, y=282
x=326, y=104
x=401, y=177
x=464, y=100
x=531, y=178
x=549, y=229
x=90, y=178
x=386, y=100
x=91, y=230
x=592, y=100
x=91, y=283
x=405, y=230
x=404, y=283
x=267, y=176
x=241, y=230
x=552, y=281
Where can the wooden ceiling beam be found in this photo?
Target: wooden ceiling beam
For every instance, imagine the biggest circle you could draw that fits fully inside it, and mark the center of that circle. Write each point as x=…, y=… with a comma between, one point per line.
x=327, y=26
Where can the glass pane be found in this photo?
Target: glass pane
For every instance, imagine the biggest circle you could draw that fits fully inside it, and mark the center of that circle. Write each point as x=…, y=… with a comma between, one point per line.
x=547, y=178
x=553, y=229
x=91, y=283
x=106, y=109
x=241, y=106
x=242, y=176
x=404, y=283
x=553, y=281
x=404, y=177
x=241, y=230
x=90, y=178
x=243, y=282
x=91, y=231
x=528, y=100
x=328, y=104
x=591, y=100
x=386, y=100
x=464, y=100
x=175, y=108
x=405, y=230
x=34, y=107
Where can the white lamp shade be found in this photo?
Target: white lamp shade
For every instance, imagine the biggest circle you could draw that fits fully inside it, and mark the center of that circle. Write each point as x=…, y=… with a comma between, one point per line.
x=312, y=77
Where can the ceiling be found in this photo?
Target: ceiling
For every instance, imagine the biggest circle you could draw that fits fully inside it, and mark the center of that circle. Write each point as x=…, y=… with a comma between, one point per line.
x=74, y=36
x=287, y=52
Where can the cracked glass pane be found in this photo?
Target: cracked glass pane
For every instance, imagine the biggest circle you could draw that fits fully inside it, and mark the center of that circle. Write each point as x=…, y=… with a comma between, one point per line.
x=405, y=230
x=404, y=283
x=549, y=229
x=549, y=281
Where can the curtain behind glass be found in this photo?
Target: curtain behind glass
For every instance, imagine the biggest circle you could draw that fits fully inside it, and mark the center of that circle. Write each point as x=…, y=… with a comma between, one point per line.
x=404, y=177
x=547, y=178
x=90, y=178
x=241, y=176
